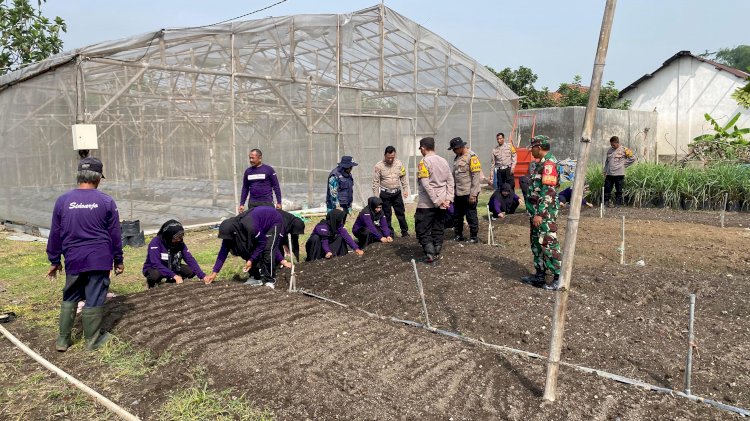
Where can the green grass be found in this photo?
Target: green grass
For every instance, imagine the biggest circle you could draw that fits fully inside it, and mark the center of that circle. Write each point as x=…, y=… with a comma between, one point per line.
x=200, y=402
x=126, y=361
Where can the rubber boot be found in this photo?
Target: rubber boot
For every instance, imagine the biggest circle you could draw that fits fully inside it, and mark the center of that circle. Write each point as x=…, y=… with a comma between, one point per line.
x=429, y=253
x=536, y=279
x=67, y=318
x=555, y=285
x=92, y=323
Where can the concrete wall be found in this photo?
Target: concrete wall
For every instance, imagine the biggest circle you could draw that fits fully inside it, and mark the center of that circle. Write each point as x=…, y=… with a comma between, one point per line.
x=681, y=94
x=564, y=126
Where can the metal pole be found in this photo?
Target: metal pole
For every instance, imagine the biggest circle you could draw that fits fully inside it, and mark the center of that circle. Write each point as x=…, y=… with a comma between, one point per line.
x=601, y=205
x=421, y=294
x=561, y=297
x=691, y=338
x=622, y=244
x=232, y=111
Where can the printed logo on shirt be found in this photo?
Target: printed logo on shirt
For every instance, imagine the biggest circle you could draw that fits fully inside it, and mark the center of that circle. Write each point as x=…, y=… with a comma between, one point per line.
x=403, y=171
x=423, y=171
x=252, y=177
x=164, y=256
x=474, y=164
x=549, y=174
x=90, y=206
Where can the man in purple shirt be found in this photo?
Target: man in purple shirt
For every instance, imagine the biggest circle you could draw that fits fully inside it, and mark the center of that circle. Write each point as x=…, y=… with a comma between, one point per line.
x=85, y=230
x=260, y=182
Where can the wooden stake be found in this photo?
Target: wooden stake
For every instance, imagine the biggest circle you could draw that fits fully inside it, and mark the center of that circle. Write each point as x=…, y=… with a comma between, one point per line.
x=292, y=277
x=622, y=244
x=490, y=237
x=691, y=339
x=724, y=208
x=421, y=294
x=561, y=296
x=601, y=205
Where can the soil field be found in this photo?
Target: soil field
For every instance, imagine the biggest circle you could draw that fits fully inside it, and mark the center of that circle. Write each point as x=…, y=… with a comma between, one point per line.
x=303, y=358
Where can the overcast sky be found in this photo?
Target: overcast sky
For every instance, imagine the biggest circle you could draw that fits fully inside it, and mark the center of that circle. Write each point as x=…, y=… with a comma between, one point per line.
x=556, y=39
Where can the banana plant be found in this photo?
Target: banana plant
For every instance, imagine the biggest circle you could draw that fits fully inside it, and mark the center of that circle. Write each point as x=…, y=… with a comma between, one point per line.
x=726, y=143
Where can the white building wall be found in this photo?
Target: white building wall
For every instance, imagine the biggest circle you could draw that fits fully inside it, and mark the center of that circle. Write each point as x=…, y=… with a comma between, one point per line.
x=681, y=94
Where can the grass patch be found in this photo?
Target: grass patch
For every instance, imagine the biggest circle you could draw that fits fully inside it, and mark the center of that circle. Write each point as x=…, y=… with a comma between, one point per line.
x=126, y=361
x=200, y=402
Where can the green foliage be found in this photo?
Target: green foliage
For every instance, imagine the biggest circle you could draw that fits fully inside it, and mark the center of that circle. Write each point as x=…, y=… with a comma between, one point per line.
x=742, y=95
x=737, y=57
x=27, y=36
x=574, y=94
x=726, y=143
x=662, y=185
x=201, y=403
x=521, y=82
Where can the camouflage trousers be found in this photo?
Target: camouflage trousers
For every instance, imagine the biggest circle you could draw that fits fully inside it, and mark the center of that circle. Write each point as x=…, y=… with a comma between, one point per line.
x=545, y=247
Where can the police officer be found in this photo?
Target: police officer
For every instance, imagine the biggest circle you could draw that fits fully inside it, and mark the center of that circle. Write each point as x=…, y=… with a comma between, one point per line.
x=341, y=185
x=466, y=173
x=436, y=188
x=503, y=163
x=391, y=185
x=85, y=231
x=543, y=206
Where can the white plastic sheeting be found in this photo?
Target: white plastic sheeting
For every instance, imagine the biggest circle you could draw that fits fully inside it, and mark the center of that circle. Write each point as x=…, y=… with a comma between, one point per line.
x=178, y=110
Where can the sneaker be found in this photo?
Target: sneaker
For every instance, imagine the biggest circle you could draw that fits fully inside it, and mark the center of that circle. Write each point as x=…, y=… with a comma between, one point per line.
x=494, y=218
x=253, y=282
x=460, y=238
x=271, y=285
x=473, y=240
x=404, y=234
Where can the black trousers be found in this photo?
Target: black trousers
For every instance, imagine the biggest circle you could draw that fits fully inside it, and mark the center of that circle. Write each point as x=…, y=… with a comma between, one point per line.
x=524, y=182
x=504, y=176
x=154, y=277
x=617, y=181
x=469, y=210
x=394, y=202
x=428, y=224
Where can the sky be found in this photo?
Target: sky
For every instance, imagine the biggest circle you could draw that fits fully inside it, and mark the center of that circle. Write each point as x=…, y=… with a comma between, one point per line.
x=556, y=39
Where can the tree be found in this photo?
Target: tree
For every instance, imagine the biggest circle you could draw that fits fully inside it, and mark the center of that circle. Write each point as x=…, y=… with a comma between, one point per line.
x=521, y=82
x=737, y=57
x=27, y=36
x=573, y=94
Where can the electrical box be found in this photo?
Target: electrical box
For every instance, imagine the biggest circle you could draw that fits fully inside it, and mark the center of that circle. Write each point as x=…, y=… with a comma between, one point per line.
x=84, y=137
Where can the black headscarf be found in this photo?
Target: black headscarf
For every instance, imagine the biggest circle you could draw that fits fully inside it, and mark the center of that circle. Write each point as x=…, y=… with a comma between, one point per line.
x=373, y=203
x=292, y=224
x=506, y=201
x=233, y=231
x=335, y=219
x=169, y=231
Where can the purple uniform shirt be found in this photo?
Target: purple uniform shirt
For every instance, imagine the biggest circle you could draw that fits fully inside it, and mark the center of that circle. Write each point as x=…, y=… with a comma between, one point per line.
x=261, y=183
x=365, y=220
x=85, y=230
x=325, y=234
x=158, y=256
x=263, y=218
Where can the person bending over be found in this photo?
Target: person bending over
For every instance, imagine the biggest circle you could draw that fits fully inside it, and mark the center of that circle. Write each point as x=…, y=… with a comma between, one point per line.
x=503, y=202
x=330, y=238
x=166, y=253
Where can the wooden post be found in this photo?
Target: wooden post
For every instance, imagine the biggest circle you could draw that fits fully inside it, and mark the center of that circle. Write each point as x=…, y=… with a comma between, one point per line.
x=622, y=244
x=724, y=208
x=561, y=297
x=490, y=237
x=691, y=339
x=421, y=295
x=601, y=205
x=292, y=277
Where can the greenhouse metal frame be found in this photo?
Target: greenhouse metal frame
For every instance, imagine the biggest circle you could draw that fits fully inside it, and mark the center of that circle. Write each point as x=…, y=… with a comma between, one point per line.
x=178, y=110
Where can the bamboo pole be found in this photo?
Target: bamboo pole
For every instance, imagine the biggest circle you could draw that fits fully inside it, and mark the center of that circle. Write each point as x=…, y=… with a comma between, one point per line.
x=490, y=237
x=421, y=294
x=622, y=244
x=724, y=208
x=601, y=205
x=561, y=297
x=122, y=413
x=691, y=339
x=292, y=277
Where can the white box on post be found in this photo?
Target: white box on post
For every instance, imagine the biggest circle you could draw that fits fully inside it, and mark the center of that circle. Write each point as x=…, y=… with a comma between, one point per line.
x=84, y=137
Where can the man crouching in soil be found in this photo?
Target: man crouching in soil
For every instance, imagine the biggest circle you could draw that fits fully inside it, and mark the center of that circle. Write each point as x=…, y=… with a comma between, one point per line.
x=86, y=231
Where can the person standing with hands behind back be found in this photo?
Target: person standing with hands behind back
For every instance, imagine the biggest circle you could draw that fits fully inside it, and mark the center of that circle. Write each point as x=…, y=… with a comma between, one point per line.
x=618, y=158
x=341, y=185
x=85, y=230
x=466, y=173
x=436, y=188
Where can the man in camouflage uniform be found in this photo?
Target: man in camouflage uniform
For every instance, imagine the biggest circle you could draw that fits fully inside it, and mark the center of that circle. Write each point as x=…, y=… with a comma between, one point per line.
x=466, y=172
x=543, y=206
x=392, y=187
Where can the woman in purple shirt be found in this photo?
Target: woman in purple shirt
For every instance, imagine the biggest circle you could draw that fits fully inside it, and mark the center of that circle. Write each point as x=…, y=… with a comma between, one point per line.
x=253, y=236
x=371, y=225
x=165, y=255
x=503, y=202
x=330, y=238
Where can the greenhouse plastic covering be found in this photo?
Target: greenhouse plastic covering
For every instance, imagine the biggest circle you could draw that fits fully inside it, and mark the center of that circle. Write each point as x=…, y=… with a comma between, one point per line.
x=178, y=110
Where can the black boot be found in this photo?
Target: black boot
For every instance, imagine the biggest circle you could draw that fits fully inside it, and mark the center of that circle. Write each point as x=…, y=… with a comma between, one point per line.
x=438, y=249
x=67, y=317
x=555, y=285
x=536, y=279
x=430, y=254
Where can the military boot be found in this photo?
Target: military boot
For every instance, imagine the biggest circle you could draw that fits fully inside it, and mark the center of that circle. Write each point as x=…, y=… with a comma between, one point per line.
x=92, y=322
x=67, y=318
x=555, y=285
x=536, y=279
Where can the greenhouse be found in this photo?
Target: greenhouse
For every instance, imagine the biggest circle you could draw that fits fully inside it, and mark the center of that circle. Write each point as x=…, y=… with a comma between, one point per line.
x=177, y=111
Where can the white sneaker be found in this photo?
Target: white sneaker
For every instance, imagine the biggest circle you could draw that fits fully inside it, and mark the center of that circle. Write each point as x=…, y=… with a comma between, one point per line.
x=270, y=285
x=254, y=282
